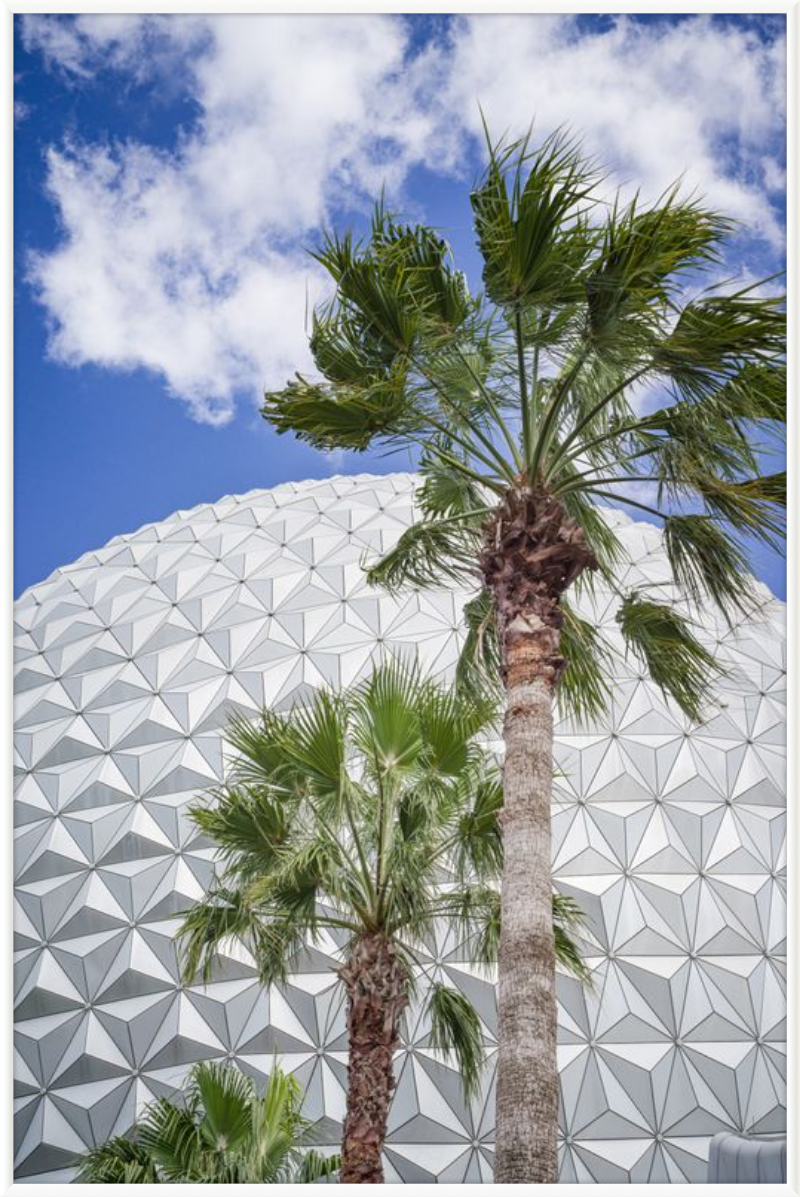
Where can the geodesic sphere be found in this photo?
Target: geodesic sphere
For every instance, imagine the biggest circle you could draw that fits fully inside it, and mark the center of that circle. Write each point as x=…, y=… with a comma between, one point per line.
x=670, y=836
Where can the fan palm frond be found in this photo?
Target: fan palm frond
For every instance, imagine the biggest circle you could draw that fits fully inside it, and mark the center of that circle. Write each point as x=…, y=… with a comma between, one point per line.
x=430, y=549
x=662, y=639
x=117, y=1162
x=584, y=690
x=456, y=1031
x=218, y=1131
x=706, y=563
x=478, y=666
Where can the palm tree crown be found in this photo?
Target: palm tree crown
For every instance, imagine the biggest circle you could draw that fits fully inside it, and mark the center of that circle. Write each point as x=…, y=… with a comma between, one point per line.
x=529, y=396
x=223, y=1132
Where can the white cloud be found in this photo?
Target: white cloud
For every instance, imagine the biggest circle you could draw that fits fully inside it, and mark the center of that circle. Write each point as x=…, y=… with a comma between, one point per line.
x=190, y=262
x=691, y=99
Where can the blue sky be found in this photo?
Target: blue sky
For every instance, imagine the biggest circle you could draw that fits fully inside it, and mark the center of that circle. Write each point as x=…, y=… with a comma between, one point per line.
x=171, y=171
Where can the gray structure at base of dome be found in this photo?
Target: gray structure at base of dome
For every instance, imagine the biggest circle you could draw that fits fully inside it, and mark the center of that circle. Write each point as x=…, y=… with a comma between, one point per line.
x=671, y=837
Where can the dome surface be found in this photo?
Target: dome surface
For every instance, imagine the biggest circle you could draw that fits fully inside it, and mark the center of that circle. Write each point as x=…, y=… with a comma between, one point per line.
x=670, y=836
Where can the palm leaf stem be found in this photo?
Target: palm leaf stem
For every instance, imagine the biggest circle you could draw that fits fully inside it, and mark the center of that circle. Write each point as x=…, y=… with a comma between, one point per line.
x=463, y=516
x=381, y=881
x=549, y=423
x=618, y=461
x=362, y=856
x=494, y=409
x=499, y=460
x=612, y=434
x=494, y=483
x=471, y=448
x=604, y=494
x=532, y=406
x=523, y=384
x=595, y=411
x=585, y=483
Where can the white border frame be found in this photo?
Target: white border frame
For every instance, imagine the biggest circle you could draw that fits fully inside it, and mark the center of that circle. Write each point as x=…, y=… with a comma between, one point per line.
x=6, y=538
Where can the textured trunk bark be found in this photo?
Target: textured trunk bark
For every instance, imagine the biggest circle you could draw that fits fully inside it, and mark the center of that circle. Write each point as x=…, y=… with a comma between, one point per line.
x=532, y=553
x=527, y=1073
x=377, y=993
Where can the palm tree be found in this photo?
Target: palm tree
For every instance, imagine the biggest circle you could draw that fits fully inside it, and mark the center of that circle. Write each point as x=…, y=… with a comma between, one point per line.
x=592, y=366
x=371, y=815
x=223, y=1132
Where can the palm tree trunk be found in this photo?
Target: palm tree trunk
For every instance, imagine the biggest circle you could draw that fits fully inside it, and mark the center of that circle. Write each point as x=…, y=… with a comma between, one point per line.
x=532, y=553
x=527, y=1073
x=376, y=982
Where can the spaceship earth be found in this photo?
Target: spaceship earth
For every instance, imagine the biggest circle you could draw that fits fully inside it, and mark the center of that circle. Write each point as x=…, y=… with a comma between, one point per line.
x=670, y=836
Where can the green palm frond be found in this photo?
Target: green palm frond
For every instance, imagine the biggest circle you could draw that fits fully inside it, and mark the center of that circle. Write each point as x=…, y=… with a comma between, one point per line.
x=316, y=746
x=707, y=563
x=755, y=506
x=382, y=302
x=445, y=493
x=219, y=1130
x=226, y=1097
x=117, y=1162
x=171, y=1137
x=662, y=639
x=293, y=889
x=757, y=392
x=472, y=910
x=478, y=840
x=478, y=666
x=695, y=446
x=645, y=253
x=420, y=258
x=569, y=956
x=248, y=826
x=450, y=722
x=567, y=920
x=223, y=916
x=348, y=417
x=716, y=336
x=427, y=552
x=261, y=749
x=533, y=240
x=456, y=1031
x=583, y=691
x=344, y=356
x=385, y=725
x=315, y=1167
x=567, y=912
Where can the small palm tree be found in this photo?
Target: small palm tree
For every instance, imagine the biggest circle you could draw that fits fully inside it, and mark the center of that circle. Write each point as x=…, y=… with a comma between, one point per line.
x=372, y=815
x=223, y=1132
x=590, y=367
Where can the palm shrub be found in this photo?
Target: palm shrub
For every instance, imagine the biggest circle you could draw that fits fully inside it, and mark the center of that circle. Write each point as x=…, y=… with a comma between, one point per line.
x=372, y=815
x=222, y=1132
x=591, y=366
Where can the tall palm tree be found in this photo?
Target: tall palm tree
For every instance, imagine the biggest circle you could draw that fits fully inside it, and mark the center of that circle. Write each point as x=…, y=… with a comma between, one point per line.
x=223, y=1132
x=347, y=817
x=591, y=366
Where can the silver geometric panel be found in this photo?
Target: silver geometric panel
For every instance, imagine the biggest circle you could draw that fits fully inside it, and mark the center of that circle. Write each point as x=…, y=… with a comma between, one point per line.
x=671, y=837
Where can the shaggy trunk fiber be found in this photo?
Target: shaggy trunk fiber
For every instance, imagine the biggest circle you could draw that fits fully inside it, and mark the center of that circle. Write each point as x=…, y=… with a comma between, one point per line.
x=532, y=553
x=377, y=986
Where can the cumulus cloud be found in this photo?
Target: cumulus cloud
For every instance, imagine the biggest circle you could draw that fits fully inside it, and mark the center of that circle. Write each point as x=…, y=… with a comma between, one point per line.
x=654, y=102
x=189, y=261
